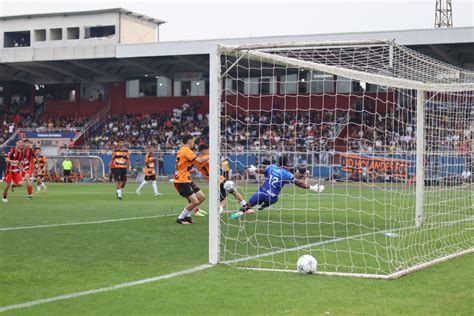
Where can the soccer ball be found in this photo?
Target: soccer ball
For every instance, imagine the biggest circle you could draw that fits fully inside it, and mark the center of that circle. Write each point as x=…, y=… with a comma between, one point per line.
x=229, y=186
x=307, y=264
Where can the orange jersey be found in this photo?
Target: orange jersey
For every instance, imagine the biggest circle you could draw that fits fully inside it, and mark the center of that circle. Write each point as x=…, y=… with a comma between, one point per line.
x=184, y=163
x=204, y=169
x=120, y=158
x=40, y=165
x=150, y=163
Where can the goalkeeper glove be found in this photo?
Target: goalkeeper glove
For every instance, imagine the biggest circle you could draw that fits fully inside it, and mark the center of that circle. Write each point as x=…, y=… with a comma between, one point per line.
x=317, y=188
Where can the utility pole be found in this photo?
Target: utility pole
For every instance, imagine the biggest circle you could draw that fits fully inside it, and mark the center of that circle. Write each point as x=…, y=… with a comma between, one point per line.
x=443, y=14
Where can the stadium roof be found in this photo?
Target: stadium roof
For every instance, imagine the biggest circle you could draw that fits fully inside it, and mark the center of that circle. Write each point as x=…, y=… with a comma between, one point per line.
x=130, y=61
x=112, y=10
x=455, y=35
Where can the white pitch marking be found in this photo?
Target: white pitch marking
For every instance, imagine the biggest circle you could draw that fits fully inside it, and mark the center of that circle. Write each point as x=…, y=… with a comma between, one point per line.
x=104, y=289
x=86, y=223
x=330, y=241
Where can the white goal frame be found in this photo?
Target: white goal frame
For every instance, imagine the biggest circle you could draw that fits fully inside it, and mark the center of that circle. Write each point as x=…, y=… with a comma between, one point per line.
x=254, y=51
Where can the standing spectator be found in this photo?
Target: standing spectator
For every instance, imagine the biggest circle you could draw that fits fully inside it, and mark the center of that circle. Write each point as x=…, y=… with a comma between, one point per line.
x=3, y=164
x=67, y=168
x=161, y=165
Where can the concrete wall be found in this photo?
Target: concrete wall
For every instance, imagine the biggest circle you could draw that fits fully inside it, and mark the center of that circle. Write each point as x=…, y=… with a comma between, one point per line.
x=63, y=22
x=133, y=31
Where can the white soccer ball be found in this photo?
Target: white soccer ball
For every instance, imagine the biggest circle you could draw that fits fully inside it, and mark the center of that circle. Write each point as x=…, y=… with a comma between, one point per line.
x=252, y=169
x=229, y=186
x=307, y=264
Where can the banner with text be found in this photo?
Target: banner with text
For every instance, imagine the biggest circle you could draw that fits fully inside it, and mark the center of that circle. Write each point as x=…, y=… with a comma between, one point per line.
x=375, y=165
x=49, y=135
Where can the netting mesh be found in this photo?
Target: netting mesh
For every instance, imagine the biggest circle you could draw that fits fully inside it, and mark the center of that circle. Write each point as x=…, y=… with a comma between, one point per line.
x=357, y=138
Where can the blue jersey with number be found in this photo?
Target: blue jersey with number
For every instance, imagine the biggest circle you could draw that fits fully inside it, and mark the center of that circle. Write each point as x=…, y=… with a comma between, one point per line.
x=275, y=179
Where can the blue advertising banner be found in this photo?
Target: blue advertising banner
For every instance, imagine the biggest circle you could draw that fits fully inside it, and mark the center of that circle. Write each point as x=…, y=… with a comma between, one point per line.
x=50, y=135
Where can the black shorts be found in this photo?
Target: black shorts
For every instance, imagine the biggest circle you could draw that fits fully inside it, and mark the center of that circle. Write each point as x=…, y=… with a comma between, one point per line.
x=150, y=178
x=223, y=192
x=67, y=173
x=120, y=174
x=186, y=189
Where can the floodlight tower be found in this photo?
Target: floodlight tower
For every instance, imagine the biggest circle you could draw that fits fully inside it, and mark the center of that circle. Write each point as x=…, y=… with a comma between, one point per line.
x=443, y=14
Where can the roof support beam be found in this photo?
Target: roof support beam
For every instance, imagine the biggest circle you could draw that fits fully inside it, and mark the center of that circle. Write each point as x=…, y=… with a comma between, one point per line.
x=86, y=66
x=33, y=72
x=9, y=76
x=64, y=71
x=193, y=63
x=97, y=70
x=147, y=69
x=445, y=56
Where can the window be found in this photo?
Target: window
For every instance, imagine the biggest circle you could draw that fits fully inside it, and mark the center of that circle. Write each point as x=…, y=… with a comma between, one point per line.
x=72, y=33
x=198, y=87
x=147, y=87
x=264, y=87
x=99, y=31
x=321, y=82
x=40, y=35
x=185, y=88
x=303, y=81
x=16, y=39
x=56, y=34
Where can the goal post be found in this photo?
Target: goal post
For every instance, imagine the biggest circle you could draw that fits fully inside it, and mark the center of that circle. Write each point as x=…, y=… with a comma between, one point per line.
x=214, y=154
x=420, y=154
x=382, y=127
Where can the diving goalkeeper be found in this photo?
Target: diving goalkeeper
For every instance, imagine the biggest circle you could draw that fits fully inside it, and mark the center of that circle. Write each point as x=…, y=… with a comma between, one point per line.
x=275, y=179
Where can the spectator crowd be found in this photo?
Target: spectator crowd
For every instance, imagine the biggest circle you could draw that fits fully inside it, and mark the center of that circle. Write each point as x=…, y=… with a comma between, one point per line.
x=324, y=132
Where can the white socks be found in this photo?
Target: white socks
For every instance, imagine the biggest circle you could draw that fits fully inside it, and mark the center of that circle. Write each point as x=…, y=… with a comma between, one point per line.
x=155, y=188
x=185, y=213
x=153, y=185
x=119, y=193
x=142, y=185
x=41, y=186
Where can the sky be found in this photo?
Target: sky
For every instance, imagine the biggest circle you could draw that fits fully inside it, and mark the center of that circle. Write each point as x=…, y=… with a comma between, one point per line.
x=194, y=20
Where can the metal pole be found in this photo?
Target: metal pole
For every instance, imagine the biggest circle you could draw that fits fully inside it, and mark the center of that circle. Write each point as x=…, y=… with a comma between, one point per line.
x=420, y=150
x=214, y=153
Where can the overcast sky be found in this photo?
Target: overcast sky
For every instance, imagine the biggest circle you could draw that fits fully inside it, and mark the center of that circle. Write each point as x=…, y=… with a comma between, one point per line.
x=191, y=20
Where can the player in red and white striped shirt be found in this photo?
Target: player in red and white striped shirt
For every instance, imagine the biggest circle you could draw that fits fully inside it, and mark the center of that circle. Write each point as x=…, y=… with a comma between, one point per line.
x=14, y=171
x=28, y=162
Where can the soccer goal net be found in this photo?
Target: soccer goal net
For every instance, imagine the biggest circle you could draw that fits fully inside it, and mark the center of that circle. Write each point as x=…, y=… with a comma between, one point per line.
x=384, y=128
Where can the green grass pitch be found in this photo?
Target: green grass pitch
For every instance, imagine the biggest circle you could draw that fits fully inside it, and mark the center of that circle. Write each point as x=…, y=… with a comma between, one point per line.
x=49, y=261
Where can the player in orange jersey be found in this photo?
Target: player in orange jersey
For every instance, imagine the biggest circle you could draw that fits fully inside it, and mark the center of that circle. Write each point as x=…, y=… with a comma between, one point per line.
x=185, y=158
x=150, y=172
x=203, y=167
x=121, y=163
x=41, y=167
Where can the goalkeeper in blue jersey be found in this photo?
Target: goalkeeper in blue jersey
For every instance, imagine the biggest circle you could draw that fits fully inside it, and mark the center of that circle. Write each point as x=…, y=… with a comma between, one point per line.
x=275, y=179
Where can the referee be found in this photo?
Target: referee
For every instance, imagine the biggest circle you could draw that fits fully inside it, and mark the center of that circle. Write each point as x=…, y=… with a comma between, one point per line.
x=67, y=168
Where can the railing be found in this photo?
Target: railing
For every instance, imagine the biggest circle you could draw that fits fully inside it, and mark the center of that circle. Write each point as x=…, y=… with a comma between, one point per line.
x=50, y=129
x=340, y=127
x=96, y=121
x=9, y=140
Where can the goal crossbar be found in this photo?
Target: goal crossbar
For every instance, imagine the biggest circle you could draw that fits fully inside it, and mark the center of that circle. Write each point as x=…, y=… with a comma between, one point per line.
x=262, y=53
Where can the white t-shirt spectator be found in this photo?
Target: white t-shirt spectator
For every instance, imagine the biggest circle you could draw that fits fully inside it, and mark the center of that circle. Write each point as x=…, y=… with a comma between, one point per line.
x=466, y=174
